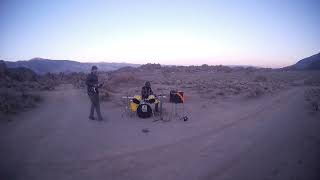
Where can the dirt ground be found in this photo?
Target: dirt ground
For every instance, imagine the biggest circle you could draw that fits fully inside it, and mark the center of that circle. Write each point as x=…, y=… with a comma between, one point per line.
x=273, y=137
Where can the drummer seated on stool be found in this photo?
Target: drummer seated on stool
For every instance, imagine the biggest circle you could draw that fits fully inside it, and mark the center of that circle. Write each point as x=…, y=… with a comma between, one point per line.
x=146, y=92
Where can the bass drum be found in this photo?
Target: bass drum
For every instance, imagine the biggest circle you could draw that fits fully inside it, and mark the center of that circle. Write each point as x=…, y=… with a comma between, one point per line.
x=144, y=110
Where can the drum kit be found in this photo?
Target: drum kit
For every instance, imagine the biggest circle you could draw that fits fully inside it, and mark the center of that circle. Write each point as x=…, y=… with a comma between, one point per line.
x=143, y=108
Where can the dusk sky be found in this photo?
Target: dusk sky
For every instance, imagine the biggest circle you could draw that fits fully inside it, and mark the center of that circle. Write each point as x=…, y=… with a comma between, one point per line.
x=267, y=33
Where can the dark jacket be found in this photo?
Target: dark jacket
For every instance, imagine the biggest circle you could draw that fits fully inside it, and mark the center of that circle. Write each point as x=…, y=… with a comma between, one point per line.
x=92, y=84
x=146, y=92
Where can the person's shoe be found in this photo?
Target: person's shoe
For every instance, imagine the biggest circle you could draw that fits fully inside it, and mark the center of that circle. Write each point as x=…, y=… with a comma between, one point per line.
x=100, y=119
x=92, y=118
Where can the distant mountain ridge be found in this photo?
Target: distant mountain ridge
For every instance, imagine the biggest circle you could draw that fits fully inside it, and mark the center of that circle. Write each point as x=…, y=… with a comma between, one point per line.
x=309, y=63
x=42, y=66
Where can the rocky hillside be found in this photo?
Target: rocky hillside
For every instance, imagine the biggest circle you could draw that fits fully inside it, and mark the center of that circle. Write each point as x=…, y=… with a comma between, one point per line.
x=309, y=63
x=42, y=66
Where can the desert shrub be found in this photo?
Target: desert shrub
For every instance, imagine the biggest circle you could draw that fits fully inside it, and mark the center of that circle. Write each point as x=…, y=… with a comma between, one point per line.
x=312, y=96
x=166, y=75
x=19, y=87
x=150, y=66
x=109, y=88
x=21, y=74
x=47, y=87
x=123, y=77
x=119, y=82
x=220, y=68
x=260, y=78
x=127, y=69
x=315, y=105
x=312, y=81
x=255, y=91
x=249, y=70
x=3, y=69
x=12, y=101
x=77, y=79
x=220, y=93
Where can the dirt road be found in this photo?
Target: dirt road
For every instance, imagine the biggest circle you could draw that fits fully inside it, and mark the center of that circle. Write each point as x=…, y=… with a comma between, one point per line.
x=274, y=137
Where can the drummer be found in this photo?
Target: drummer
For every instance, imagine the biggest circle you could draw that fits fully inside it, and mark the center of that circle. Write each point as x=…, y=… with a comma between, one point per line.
x=146, y=92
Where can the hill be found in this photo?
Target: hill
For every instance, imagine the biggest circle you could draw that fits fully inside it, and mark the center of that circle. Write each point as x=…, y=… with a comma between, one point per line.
x=309, y=63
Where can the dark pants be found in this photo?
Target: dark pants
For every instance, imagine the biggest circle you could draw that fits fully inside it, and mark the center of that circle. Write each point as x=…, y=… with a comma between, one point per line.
x=95, y=105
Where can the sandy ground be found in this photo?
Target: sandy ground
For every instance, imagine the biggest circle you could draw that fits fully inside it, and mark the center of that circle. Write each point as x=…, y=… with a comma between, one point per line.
x=272, y=137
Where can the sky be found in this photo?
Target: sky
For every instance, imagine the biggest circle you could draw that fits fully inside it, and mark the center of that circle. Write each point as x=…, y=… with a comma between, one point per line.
x=266, y=33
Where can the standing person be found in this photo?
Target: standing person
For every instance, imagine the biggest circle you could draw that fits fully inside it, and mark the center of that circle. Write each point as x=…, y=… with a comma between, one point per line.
x=93, y=92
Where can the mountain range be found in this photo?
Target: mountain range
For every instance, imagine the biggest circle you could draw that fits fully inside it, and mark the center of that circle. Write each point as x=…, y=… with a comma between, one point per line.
x=42, y=66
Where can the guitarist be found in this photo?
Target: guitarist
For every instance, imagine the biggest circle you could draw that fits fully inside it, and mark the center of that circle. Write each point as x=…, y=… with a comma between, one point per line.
x=93, y=92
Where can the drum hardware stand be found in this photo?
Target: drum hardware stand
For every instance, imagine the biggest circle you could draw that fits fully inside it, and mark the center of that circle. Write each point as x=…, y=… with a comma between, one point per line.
x=127, y=107
x=160, y=109
x=175, y=108
x=175, y=111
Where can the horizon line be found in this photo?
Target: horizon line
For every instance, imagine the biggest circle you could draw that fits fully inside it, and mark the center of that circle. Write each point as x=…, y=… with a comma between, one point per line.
x=124, y=62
